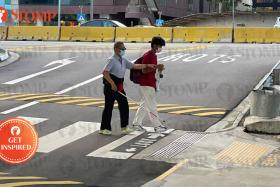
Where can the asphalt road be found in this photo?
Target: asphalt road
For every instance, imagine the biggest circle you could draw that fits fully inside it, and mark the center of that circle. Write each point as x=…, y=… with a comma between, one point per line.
x=202, y=82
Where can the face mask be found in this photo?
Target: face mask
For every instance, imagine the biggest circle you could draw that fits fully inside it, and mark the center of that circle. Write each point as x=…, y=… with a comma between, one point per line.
x=159, y=50
x=122, y=52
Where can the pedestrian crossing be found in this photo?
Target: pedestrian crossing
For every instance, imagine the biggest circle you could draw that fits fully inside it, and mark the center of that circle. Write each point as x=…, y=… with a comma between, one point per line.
x=82, y=101
x=71, y=133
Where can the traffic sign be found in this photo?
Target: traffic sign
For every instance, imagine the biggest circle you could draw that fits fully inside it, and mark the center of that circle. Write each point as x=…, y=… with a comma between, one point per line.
x=81, y=17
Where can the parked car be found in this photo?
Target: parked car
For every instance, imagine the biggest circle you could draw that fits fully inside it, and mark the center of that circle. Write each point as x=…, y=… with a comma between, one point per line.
x=277, y=24
x=102, y=23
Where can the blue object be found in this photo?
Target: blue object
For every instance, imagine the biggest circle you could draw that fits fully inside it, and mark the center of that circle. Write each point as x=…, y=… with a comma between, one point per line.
x=159, y=22
x=81, y=17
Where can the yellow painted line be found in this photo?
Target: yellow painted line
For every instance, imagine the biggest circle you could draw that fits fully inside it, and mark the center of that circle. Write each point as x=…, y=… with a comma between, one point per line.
x=20, y=178
x=60, y=98
x=2, y=173
x=77, y=101
x=209, y=114
x=5, y=94
x=36, y=97
x=16, y=184
x=176, y=107
x=166, y=105
x=193, y=110
x=16, y=96
x=92, y=103
x=172, y=170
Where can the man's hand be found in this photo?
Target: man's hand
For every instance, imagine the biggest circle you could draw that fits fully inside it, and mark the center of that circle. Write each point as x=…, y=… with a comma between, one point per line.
x=160, y=67
x=152, y=66
x=114, y=87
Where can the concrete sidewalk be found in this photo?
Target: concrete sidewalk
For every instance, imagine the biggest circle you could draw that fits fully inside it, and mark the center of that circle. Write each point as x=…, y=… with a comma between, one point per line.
x=228, y=159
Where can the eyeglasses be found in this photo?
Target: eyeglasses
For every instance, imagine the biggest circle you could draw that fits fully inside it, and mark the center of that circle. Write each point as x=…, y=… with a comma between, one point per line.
x=123, y=49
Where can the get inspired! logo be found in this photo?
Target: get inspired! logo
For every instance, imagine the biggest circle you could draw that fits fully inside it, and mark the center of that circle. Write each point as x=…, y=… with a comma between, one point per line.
x=18, y=141
x=3, y=15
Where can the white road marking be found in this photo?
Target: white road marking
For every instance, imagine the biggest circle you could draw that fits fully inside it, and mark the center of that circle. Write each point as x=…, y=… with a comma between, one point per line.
x=66, y=135
x=32, y=120
x=63, y=63
x=106, y=151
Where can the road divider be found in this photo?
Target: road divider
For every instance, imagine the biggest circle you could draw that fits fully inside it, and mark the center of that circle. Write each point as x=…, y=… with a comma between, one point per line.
x=92, y=34
x=3, y=33
x=33, y=33
x=202, y=34
x=136, y=34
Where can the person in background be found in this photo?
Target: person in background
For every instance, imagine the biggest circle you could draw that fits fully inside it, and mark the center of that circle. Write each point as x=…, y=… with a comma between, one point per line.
x=148, y=88
x=113, y=79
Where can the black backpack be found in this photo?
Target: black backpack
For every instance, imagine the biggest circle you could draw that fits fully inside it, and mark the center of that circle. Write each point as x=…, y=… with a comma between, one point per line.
x=135, y=74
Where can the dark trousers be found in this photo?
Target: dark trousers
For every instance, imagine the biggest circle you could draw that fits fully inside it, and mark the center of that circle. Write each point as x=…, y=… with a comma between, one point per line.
x=110, y=97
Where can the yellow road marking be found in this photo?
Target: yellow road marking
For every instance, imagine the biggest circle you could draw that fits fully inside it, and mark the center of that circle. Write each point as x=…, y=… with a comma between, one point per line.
x=209, y=113
x=37, y=97
x=92, y=103
x=16, y=96
x=166, y=105
x=193, y=110
x=176, y=107
x=172, y=170
x=16, y=184
x=60, y=98
x=20, y=178
x=77, y=101
x=1, y=173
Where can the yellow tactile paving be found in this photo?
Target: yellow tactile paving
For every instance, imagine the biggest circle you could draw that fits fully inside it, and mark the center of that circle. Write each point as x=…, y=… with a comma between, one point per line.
x=272, y=160
x=242, y=153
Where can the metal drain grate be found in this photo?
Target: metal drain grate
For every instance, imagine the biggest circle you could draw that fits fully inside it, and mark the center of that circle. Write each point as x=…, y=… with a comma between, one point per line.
x=179, y=145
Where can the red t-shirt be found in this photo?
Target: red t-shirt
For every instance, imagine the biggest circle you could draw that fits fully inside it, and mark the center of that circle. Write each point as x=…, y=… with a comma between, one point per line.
x=149, y=79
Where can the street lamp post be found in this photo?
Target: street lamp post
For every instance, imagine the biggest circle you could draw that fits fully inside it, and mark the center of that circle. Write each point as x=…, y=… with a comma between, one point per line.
x=91, y=9
x=59, y=13
x=233, y=19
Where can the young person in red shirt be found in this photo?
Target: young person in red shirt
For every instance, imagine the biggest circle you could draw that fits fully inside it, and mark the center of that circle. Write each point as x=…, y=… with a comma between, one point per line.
x=148, y=87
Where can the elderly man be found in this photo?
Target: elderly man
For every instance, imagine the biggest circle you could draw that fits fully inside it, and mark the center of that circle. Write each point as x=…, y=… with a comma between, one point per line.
x=114, y=73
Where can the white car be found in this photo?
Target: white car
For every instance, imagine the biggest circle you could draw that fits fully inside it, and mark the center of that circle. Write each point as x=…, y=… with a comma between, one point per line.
x=277, y=24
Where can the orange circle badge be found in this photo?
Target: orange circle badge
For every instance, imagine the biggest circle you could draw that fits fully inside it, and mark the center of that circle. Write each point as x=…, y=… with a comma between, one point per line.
x=18, y=141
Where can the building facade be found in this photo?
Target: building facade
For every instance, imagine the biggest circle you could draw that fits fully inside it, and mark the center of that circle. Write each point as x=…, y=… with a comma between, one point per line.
x=129, y=12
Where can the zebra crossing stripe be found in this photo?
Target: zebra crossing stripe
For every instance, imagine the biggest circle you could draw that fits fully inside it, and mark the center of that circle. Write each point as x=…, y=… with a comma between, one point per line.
x=32, y=120
x=66, y=135
x=106, y=151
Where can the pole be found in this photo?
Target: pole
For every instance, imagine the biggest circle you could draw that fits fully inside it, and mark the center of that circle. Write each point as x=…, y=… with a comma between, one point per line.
x=91, y=9
x=233, y=19
x=59, y=13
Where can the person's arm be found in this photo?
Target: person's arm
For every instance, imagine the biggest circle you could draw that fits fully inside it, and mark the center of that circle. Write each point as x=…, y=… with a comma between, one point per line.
x=108, y=78
x=130, y=65
x=144, y=66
